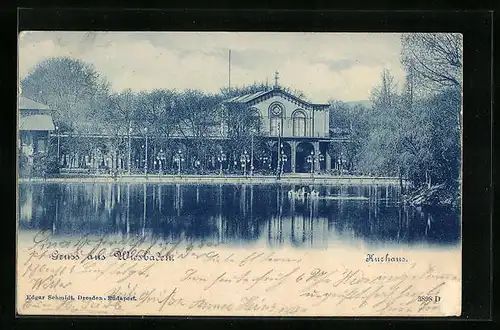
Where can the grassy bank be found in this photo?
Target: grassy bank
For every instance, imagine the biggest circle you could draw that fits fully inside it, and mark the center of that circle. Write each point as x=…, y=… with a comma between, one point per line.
x=437, y=195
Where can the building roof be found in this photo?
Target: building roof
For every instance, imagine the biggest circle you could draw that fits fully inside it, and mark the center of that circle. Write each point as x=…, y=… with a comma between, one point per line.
x=254, y=98
x=28, y=104
x=246, y=97
x=36, y=123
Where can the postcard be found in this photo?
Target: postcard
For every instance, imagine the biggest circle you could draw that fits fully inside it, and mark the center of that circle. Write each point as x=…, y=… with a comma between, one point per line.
x=239, y=174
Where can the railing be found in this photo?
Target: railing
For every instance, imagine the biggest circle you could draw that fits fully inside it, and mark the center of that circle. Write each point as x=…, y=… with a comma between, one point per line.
x=126, y=136
x=232, y=179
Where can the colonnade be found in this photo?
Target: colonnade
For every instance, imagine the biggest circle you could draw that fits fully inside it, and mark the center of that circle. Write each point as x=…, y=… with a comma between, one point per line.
x=316, y=149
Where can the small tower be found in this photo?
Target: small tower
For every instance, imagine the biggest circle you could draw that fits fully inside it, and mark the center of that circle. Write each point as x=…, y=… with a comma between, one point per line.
x=276, y=79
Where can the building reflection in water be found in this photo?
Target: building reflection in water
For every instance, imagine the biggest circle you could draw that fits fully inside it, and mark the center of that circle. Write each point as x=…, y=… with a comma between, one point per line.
x=236, y=214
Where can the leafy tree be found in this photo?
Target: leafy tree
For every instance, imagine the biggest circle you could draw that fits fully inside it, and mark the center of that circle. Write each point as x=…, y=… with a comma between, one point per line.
x=121, y=112
x=197, y=114
x=382, y=149
x=434, y=62
x=77, y=95
x=156, y=111
x=349, y=121
x=243, y=125
x=73, y=89
x=43, y=165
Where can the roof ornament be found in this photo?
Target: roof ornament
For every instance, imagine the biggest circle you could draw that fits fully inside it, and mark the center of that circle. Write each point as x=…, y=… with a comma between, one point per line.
x=276, y=79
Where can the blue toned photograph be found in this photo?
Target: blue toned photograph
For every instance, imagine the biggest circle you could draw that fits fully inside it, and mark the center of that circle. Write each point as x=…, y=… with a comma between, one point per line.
x=276, y=140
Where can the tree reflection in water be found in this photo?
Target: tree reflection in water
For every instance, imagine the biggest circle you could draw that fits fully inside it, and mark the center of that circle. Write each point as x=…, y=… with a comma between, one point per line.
x=236, y=214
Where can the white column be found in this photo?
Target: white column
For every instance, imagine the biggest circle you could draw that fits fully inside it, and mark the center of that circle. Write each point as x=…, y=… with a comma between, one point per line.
x=328, y=161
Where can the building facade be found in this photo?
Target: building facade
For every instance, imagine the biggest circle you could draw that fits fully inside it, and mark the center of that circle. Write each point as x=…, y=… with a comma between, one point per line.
x=294, y=137
x=298, y=129
x=35, y=126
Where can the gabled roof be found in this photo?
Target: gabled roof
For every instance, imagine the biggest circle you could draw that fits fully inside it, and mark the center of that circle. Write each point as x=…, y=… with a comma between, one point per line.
x=254, y=98
x=36, y=123
x=28, y=104
x=246, y=97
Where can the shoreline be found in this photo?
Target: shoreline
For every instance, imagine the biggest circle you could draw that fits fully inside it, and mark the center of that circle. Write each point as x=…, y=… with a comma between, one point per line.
x=231, y=179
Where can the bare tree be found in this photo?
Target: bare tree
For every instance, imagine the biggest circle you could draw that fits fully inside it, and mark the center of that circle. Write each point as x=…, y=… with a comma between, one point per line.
x=436, y=58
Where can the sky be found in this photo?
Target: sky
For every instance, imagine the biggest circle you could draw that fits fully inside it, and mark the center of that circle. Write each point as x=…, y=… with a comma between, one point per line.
x=325, y=66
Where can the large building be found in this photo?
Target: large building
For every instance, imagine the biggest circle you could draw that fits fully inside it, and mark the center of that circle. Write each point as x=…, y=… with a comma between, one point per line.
x=299, y=128
x=294, y=136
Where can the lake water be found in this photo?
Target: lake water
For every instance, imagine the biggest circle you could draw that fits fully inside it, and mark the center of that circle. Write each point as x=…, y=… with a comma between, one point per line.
x=237, y=214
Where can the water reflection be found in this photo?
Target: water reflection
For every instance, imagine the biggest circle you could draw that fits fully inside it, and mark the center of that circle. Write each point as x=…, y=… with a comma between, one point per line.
x=236, y=214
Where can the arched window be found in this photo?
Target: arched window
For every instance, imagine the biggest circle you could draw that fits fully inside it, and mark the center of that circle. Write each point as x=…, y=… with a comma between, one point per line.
x=299, y=123
x=276, y=119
